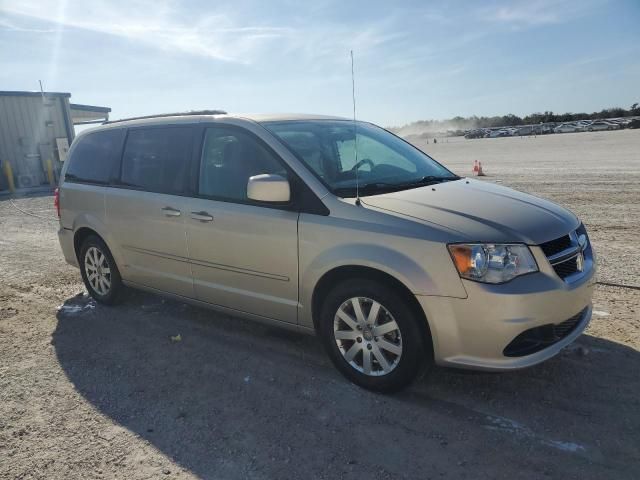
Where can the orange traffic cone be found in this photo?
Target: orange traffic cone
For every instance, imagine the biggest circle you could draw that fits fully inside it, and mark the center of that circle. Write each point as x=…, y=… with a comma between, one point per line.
x=480, y=173
x=475, y=167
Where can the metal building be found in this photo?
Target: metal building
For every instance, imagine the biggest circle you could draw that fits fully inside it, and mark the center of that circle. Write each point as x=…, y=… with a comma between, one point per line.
x=36, y=129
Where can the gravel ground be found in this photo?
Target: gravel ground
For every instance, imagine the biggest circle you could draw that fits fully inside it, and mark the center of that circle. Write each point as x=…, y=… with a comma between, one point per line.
x=88, y=391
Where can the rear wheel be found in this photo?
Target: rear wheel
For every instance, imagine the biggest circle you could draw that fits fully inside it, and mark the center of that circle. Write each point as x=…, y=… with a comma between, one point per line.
x=99, y=271
x=372, y=335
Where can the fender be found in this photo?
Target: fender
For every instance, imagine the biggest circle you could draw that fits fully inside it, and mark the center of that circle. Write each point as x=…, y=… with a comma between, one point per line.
x=88, y=220
x=387, y=260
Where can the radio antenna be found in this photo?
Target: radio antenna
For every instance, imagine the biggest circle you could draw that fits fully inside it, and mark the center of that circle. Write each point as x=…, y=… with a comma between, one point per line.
x=355, y=132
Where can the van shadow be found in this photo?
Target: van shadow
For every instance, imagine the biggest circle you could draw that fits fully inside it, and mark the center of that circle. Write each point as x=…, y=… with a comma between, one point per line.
x=227, y=398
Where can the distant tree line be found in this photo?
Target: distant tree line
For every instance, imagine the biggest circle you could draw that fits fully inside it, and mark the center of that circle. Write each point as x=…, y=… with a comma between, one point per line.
x=466, y=123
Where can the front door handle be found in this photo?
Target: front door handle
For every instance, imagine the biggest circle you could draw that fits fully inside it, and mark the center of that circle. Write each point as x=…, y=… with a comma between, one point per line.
x=170, y=212
x=201, y=216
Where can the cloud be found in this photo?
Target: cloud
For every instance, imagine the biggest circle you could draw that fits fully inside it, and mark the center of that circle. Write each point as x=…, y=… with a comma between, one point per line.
x=156, y=24
x=529, y=13
x=223, y=32
x=8, y=26
x=532, y=14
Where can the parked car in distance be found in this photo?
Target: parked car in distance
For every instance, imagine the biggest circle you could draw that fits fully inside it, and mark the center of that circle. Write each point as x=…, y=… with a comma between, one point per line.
x=601, y=125
x=567, y=128
x=391, y=259
x=635, y=123
x=498, y=133
x=619, y=122
x=474, y=134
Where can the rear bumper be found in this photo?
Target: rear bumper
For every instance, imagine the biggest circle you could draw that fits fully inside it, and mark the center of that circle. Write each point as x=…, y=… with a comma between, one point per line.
x=474, y=332
x=65, y=236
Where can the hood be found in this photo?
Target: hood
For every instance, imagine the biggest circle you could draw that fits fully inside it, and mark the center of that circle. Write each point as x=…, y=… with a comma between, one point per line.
x=481, y=211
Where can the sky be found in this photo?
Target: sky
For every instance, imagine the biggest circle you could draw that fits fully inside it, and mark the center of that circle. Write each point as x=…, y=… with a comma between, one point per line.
x=414, y=60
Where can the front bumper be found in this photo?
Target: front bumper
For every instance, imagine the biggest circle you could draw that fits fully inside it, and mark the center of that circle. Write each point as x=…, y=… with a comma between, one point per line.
x=474, y=332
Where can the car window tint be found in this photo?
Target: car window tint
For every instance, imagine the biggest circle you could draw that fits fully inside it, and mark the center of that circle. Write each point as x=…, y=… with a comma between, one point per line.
x=229, y=158
x=310, y=148
x=156, y=159
x=94, y=157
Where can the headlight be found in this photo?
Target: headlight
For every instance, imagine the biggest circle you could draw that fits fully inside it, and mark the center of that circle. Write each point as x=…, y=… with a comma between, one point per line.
x=492, y=263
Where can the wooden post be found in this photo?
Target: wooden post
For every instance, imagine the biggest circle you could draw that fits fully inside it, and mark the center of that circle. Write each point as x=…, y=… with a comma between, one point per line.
x=52, y=180
x=8, y=171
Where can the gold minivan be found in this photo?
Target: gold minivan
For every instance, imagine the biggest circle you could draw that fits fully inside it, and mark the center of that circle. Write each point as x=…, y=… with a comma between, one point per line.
x=327, y=226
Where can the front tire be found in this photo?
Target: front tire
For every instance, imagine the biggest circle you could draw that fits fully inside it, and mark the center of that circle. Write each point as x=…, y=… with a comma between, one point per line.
x=372, y=335
x=99, y=271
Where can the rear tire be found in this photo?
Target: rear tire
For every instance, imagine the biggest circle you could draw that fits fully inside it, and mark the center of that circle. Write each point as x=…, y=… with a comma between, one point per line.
x=373, y=336
x=99, y=271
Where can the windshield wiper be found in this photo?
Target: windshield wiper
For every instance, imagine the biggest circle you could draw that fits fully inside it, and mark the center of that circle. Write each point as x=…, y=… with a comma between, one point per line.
x=431, y=179
x=424, y=181
x=373, y=187
x=366, y=188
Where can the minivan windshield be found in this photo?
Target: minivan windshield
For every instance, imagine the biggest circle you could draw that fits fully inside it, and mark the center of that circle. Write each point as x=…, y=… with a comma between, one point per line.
x=384, y=162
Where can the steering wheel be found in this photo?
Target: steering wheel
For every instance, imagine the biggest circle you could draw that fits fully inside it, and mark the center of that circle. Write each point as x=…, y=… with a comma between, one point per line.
x=364, y=161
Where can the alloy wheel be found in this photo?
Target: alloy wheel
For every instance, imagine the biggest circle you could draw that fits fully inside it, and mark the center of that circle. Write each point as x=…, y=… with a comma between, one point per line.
x=367, y=336
x=98, y=271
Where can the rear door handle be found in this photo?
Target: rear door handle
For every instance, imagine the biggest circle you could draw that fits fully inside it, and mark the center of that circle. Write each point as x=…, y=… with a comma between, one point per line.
x=170, y=212
x=201, y=216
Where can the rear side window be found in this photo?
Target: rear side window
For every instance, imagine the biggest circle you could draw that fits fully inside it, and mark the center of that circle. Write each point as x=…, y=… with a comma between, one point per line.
x=156, y=159
x=94, y=158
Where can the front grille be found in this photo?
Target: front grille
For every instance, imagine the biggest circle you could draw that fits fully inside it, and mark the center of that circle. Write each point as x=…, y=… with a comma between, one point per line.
x=566, y=268
x=567, y=254
x=538, y=338
x=556, y=246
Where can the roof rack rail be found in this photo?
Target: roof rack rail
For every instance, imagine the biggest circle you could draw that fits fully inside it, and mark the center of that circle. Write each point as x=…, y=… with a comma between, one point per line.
x=176, y=114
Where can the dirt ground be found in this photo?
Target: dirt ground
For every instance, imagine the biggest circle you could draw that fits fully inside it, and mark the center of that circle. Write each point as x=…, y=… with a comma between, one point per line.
x=88, y=391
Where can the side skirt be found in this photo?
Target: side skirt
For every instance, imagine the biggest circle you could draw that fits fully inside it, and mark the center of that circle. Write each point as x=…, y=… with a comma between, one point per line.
x=229, y=311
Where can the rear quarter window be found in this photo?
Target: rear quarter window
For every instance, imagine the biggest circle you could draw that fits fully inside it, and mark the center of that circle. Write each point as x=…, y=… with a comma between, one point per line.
x=95, y=157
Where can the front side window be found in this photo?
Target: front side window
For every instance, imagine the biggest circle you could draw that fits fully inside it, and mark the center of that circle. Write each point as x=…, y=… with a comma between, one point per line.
x=384, y=162
x=157, y=159
x=94, y=158
x=229, y=158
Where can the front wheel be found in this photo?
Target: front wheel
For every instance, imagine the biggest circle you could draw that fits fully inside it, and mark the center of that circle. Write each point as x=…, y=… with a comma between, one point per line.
x=99, y=271
x=372, y=335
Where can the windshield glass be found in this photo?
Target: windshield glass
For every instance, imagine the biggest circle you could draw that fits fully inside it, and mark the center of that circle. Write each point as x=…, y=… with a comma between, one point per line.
x=384, y=161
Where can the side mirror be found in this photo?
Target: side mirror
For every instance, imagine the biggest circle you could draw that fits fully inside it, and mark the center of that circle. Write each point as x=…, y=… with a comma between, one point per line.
x=268, y=188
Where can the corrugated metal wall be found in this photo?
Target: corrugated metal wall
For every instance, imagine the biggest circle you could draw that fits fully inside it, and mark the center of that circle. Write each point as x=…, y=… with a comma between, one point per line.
x=29, y=127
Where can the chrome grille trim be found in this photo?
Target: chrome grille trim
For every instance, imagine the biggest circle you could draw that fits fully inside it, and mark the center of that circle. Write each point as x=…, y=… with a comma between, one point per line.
x=564, y=255
x=568, y=263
